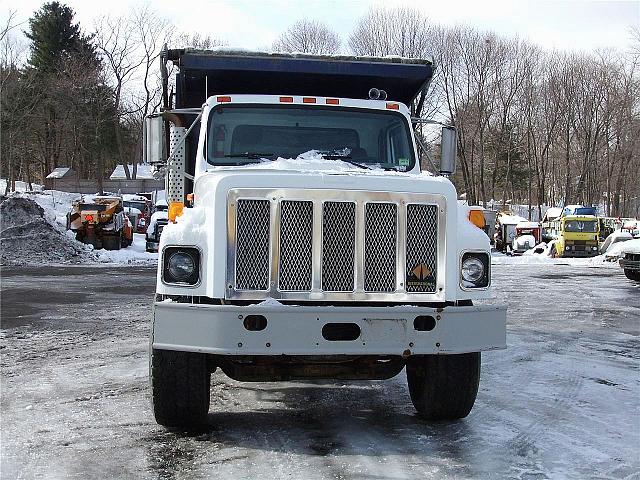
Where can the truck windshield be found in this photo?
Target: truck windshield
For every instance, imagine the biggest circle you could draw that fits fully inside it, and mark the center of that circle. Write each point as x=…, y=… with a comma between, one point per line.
x=584, y=226
x=241, y=134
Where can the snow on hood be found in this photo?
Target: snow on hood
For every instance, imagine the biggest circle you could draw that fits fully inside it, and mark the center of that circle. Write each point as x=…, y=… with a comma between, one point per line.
x=313, y=161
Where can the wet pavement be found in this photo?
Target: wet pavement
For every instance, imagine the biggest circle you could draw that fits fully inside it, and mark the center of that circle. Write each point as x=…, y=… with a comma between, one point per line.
x=563, y=401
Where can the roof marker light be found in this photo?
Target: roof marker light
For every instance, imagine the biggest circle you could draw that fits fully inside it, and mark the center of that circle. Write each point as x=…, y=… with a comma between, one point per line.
x=393, y=106
x=224, y=99
x=286, y=99
x=308, y=100
x=332, y=101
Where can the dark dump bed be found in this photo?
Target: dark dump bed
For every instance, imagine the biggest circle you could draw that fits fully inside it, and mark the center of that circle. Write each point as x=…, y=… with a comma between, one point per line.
x=204, y=73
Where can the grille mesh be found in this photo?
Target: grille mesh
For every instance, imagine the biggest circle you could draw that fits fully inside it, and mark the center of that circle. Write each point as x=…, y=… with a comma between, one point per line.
x=252, y=250
x=422, y=235
x=380, y=247
x=338, y=246
x=296, y=245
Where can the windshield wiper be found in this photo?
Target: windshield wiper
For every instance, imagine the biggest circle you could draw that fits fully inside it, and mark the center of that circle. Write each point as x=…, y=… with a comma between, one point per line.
x=338, y=155
x=251, y=155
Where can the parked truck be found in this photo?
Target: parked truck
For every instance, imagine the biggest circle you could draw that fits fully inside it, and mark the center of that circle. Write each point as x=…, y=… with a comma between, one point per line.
x=303, y=240
x=101, y=222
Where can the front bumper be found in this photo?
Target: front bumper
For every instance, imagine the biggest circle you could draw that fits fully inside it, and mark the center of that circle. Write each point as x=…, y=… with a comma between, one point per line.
x=633, y=265
x=297, y=330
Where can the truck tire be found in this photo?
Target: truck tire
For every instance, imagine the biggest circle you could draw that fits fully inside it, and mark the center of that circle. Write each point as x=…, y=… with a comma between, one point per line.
x=632, y=274
x=180, y=384
x=444, y=387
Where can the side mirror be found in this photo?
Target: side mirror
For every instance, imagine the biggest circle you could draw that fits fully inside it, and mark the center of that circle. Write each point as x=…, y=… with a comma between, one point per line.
x=154, y=139
x=449, y=150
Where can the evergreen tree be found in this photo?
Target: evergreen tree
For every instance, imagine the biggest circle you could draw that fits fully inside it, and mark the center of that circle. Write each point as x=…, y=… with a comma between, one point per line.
x=55, y=38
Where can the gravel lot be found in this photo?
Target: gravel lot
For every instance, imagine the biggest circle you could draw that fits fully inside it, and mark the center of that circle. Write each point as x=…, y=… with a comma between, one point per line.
x=563, y=401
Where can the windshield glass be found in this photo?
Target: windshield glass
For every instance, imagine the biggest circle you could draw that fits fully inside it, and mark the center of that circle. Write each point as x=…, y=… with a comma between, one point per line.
x=241, y=134
x=589, y=226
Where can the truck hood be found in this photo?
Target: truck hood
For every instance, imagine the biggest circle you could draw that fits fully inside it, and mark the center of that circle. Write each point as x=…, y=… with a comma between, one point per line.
x=324, y=174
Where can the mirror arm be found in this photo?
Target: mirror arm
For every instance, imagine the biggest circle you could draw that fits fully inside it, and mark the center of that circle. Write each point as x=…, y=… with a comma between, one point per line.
x=424, y=150
x=182, y=139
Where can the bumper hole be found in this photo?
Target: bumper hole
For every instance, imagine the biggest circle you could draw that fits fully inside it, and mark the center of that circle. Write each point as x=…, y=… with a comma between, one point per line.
x=255, y=323
x=340, y=331
x=424, y=323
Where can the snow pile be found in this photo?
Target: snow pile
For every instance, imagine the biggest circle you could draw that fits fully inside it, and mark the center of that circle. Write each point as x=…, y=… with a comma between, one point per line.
x=28, y=238
x=618, y=236
x=617, y=249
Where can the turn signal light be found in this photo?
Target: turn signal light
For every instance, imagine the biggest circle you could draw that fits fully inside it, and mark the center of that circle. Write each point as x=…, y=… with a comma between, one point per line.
x=477, y=218
x=175, y=210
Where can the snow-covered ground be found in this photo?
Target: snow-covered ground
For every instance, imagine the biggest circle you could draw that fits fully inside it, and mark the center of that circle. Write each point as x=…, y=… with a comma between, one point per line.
x=562, y=402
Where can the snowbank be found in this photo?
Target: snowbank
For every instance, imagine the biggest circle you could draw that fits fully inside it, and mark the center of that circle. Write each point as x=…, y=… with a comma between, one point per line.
x=33, y=231
x=27, y=237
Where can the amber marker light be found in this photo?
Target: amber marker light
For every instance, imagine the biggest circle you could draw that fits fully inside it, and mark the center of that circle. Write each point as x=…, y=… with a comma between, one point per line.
x=477, y=218
x=332, y=101
x=286, y=99
x=224, y=99
x=393, y=106
x=308, y=100
x=175, y=210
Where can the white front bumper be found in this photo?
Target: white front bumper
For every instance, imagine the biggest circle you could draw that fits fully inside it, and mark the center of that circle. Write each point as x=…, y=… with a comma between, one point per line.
x=297, y=330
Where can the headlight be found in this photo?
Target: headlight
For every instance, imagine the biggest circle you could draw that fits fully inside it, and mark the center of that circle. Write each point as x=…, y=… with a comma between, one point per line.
x=181, y=265
x=142, y=222
x=474, y=270
x=567, y=247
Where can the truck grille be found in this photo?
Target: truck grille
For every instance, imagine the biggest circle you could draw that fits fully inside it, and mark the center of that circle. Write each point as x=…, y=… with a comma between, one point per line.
x=367, y=246
x=296, y=245
x=422, y=234
x=338, y=246
x=252, y=253
x=380, y=232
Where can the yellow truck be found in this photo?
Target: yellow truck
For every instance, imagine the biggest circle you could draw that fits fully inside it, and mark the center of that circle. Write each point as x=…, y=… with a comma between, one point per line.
x=576, y=236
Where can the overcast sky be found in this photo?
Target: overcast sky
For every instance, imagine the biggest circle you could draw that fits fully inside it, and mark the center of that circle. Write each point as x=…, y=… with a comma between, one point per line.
x=574, y=25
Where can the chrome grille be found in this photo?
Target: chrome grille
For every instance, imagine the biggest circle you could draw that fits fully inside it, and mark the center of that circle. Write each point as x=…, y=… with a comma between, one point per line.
x=422, y=252
x=335, y=245
x=338, y=246
x=296, y=245
x=252, y=251
x=380, y=247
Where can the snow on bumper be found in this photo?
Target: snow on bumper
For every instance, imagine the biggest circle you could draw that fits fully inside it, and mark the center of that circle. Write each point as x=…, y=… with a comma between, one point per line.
x=295, y=330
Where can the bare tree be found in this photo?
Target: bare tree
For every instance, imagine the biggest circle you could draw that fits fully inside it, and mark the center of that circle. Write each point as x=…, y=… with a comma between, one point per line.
x=308, y=36
x=196, y=40
x=402, y=31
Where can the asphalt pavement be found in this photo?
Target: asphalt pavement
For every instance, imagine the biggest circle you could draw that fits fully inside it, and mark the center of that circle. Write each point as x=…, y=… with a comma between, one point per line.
x=563, y=401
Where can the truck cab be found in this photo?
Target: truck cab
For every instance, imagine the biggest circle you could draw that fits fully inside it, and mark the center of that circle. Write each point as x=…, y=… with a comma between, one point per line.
x=312, y=245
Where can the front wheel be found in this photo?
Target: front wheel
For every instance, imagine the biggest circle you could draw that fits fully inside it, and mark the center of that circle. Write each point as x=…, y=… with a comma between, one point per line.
x=444, y=387
x=632, y=274
x=180, y=383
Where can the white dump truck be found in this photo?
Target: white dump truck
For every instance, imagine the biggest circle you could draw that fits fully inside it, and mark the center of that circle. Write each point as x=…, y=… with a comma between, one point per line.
x=304, y=241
